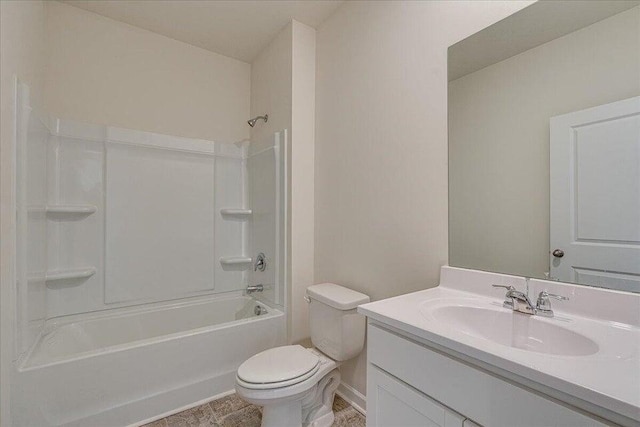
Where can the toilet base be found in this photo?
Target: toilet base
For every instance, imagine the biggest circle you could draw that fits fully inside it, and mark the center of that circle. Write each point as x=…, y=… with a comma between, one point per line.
x=288, y=414
x=324, y=421
x=317, y=408
x=310, y=408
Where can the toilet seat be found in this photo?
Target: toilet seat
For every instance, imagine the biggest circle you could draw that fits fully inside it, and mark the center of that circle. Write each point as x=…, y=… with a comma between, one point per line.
x=278, y=367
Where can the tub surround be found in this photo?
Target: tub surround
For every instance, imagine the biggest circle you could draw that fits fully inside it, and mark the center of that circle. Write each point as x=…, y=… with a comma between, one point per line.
x=89, y=172
x=121, y=264
x=598, y=370
x=126, y=307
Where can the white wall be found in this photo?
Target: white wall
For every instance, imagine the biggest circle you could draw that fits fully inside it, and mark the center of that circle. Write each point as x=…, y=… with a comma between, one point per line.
x=381, y=144
x=499, y=139
x=105, y=72
x=22, y=55
x=283, y=86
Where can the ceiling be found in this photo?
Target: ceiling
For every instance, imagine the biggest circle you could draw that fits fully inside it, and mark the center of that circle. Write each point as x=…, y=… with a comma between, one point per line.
x=235, y=28
x=532, y=26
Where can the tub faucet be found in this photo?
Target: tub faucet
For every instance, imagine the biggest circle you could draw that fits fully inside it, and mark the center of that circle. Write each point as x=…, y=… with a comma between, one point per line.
x=261, y=262
x=516, y=300
x=254, y=288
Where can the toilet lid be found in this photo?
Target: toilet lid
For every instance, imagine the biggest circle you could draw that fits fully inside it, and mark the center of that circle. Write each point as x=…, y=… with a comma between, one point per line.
x=278, y=364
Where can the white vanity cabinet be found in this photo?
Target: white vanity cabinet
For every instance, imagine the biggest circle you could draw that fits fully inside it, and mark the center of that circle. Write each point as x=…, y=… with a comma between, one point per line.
x=410, y=383
x=395, y=403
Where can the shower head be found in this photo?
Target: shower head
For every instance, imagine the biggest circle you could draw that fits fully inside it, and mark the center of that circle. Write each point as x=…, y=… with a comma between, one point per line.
x=253, y=121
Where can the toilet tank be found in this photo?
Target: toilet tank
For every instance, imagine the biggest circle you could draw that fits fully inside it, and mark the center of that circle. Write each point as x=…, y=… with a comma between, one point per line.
x=337, y=329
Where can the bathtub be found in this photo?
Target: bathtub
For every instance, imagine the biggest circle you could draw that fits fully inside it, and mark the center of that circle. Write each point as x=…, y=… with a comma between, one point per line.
x=130, y=366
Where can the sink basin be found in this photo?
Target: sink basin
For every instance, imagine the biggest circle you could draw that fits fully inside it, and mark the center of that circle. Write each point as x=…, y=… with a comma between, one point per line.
x=511, y=329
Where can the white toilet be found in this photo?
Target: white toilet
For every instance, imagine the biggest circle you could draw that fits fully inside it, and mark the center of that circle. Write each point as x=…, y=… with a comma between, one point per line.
x=296, y=385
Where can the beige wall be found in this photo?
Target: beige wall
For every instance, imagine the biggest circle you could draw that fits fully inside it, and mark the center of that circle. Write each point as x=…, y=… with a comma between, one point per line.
x=271, y=93
x=21, y=55
x=106, y=72
x=302, y=176
x=499, y=139
x=271, y=85
x=381, y=144
x=283, y=86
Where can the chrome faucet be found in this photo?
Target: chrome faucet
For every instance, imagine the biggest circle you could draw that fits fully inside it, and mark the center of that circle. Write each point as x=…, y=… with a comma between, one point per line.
x=254, y=288
x=516, y=300
x=520, y=302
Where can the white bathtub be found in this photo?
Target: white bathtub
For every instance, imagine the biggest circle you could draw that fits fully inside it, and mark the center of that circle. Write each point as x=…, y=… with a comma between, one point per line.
x=131, y=365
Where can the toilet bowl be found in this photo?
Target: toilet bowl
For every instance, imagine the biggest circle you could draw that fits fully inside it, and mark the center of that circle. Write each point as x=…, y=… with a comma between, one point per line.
x=299, y=400
x=296, y=385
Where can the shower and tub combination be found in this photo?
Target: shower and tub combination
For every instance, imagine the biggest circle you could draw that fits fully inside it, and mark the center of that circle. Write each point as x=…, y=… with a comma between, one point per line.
x=140, y=290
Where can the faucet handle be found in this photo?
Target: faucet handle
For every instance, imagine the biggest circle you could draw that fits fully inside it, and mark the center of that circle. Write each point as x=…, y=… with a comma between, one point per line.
x=507, y=287
x=543, y=305
x=261, y=262
x=545, y=294
x=544, y=297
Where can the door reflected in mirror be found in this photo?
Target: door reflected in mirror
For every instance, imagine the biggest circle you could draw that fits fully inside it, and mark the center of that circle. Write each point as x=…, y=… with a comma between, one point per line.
x=544, y=145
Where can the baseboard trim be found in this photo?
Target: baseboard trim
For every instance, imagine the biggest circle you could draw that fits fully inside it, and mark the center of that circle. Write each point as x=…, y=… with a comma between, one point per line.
x=353, y=397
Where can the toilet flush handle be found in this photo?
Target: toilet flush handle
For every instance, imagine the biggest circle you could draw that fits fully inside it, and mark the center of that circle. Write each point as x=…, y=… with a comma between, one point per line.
x=307, y=299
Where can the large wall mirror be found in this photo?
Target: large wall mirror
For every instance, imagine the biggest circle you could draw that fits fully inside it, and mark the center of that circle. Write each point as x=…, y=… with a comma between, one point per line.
x=544, y=145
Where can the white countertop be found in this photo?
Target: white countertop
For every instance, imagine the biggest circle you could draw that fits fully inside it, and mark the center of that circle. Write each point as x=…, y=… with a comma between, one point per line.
x=608, y=379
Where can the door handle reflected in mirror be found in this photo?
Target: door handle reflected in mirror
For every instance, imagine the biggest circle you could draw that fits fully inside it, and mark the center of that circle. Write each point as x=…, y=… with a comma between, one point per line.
x=558, y=253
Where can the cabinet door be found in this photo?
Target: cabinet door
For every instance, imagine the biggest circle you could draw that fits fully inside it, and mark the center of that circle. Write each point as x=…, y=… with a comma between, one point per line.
x=392, y=403
x=483, y=397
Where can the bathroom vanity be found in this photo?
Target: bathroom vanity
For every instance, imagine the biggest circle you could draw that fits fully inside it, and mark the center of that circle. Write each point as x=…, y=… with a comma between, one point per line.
x=455, y=356
x=544, y=183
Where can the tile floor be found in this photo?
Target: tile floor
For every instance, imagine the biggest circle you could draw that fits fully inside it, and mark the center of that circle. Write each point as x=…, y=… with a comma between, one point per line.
x=231, y=411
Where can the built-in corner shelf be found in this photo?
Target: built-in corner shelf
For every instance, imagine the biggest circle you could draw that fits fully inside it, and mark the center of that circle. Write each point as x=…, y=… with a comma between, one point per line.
x=71, y=209
x=240, y=213
x=235, y=260
x=77, y=273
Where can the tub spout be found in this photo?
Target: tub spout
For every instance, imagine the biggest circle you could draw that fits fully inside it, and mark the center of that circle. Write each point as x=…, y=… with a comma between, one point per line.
x=254, y=288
